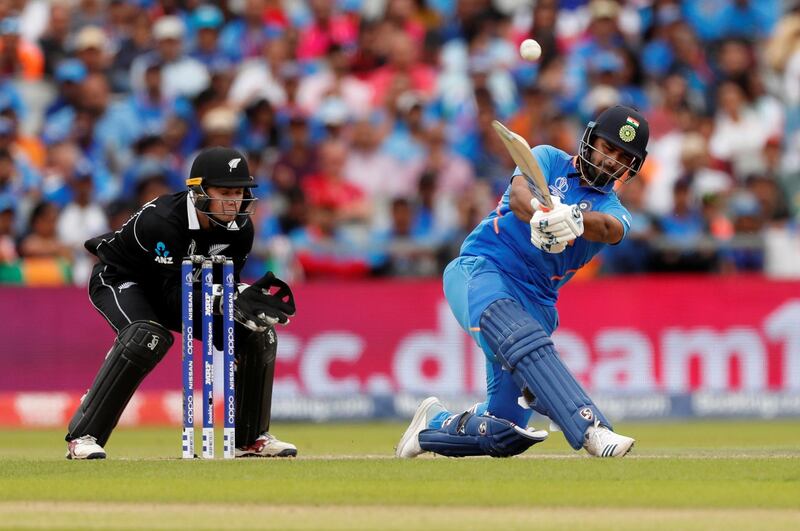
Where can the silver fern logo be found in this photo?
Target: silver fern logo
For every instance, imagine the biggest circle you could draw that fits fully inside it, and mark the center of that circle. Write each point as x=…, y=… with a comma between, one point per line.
x=233, y=163
x=125, y=285
x=217, y=248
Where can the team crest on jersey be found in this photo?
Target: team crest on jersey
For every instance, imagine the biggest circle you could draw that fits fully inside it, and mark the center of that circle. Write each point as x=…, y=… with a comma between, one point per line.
x=585, y=205
x=162, y=254
x=125, y=285
x=233, y=163
x=217, y=248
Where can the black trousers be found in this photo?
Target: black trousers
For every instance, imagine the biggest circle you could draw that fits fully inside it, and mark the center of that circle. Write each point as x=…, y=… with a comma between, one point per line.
x=122, y=301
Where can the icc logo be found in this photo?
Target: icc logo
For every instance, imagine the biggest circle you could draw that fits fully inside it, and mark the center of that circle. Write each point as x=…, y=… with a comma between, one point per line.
x=559, y=187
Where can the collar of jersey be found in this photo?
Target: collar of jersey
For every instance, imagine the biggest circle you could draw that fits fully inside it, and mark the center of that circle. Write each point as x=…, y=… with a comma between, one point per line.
x=191, y=213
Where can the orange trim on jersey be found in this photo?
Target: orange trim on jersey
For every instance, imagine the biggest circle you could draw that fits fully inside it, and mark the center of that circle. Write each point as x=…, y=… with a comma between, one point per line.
x=474, y=328
x=499, y=215
x=559, y=277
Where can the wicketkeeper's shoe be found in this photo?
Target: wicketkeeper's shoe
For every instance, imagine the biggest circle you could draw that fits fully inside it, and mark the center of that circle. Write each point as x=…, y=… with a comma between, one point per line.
x=409, y=447
x=268, y=446
x=602, y=442
x=85, y=447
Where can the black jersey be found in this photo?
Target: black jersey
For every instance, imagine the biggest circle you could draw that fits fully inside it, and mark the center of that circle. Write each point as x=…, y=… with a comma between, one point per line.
x=150, y=246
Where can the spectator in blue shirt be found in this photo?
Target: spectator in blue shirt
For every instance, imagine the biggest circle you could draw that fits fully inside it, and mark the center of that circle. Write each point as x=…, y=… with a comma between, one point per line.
x=682, y=231
x=69, y=75
x=716, y=19
x=206, y=22
x=244, y=37
x=603, y=35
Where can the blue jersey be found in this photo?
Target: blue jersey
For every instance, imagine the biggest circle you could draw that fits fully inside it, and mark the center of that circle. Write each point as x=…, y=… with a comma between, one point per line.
x=505, y=240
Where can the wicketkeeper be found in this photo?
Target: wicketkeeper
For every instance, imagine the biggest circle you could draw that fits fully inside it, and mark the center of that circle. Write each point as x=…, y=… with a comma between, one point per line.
x=136, y=287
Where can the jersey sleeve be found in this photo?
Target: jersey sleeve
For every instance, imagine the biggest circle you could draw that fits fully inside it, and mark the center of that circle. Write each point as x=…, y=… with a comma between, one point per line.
x=152, y=243
x=150, y=247
x=614, y=208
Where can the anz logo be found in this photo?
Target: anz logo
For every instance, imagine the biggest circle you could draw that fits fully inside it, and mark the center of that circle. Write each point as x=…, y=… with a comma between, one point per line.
x=162, y=254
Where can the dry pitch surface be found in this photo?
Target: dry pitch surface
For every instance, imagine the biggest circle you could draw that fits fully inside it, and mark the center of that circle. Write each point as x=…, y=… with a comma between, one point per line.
x=709, y=475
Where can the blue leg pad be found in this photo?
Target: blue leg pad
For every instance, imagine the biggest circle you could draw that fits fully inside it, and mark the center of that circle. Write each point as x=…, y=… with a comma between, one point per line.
x=525, y=349
x=468, y=434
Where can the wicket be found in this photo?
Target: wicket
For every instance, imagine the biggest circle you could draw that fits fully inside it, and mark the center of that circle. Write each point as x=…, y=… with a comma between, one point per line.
x=188, y=267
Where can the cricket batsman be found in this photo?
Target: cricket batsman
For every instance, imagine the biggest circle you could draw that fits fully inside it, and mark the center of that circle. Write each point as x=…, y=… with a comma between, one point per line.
x=136, y=287
x=503, y=289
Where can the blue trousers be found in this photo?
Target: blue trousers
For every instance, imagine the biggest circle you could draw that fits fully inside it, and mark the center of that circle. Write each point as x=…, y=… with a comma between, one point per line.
x=472, y=283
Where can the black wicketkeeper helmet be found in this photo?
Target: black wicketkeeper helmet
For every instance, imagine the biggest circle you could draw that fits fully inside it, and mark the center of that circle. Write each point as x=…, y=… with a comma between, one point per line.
x=622, y=127
x=223, y=168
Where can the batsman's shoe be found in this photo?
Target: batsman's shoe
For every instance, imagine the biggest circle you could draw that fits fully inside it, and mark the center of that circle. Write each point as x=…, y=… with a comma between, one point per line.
x=85, y=447
x=267, y=445
x=602, y=442
x=409, y=447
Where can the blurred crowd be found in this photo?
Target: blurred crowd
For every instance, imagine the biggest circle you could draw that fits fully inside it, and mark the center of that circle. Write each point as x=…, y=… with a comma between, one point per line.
x=367, y=122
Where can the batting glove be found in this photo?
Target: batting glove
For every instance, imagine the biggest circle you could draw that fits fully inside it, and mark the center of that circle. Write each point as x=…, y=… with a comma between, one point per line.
x=563, y=222
x=545, y=242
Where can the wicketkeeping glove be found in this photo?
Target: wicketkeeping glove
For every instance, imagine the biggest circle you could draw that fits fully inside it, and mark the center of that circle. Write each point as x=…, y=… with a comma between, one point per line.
x=258, y=307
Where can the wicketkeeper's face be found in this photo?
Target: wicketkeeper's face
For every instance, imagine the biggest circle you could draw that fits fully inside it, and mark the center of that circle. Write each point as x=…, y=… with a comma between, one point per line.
x=224, y=202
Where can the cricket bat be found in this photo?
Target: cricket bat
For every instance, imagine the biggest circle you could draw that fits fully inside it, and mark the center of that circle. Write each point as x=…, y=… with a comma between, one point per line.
x=520, y=151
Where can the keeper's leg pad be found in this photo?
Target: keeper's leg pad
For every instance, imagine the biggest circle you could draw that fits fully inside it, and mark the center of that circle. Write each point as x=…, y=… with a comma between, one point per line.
x=255, y=372
x=138, y=348
x=525, y=349
x=468, y=434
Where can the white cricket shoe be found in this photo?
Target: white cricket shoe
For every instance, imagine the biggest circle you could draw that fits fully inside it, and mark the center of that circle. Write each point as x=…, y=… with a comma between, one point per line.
x=267, y=445
x=409, y=447
x=602, y=442
x=85, y=447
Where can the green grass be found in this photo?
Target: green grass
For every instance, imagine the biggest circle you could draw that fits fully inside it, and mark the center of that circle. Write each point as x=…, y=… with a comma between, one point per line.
x=710, y=475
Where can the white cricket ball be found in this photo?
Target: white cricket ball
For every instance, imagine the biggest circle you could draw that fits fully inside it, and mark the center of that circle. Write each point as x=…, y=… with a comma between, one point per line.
x=530, y=50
